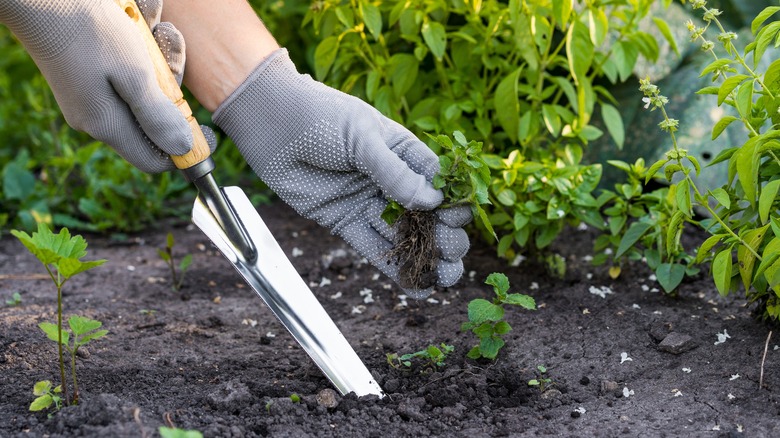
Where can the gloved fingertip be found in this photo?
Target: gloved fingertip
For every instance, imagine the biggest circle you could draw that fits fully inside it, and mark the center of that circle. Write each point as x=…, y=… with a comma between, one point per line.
x=172, y=45
x=449, y=272
x=425, y=197
x=455, y=217
x=211, y=137
x=418, y=294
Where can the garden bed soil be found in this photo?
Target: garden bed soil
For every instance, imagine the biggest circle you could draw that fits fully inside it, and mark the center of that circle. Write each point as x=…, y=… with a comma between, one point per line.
x=213, y=358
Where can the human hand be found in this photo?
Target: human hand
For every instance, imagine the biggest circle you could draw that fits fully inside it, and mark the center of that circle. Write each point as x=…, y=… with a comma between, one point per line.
x=96, y=64
x=336, y=160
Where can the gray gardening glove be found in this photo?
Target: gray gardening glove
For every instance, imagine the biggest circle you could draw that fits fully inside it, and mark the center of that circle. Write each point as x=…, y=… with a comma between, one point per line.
x=96, y=64
x=336, y=160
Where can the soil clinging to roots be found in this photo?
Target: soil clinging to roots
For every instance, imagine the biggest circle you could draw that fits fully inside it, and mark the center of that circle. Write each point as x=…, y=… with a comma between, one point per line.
x=415, y=252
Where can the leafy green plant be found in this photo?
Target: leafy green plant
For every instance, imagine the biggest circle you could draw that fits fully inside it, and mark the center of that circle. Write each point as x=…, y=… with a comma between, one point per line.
x=175, y=432
x=177, y=276
x=542, y=381
x=643, y=226
x=61, y=256
x=486, y=318
x=15, y=300
x=46, y=396
x=463, y=178
x=743, y=217
x=525, y=77
x=432, y=357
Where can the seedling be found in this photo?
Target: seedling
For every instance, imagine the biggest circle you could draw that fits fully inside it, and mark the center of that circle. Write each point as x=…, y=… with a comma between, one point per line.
x=175, y=432
x=432, y=356
x=295, y=398
x=486, y=319
x=463, y=178
x=541, y=381
x=47, y=396
x=147, y=312
x=167, y=255
x=15, y=300
x=61, y=255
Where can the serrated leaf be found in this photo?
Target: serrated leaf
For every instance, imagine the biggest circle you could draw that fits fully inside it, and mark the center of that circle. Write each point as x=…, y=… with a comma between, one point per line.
x=474, y=353
x=69, y=267
x=481, y=310
x=633, y=234
x=499, y=281
x=715, y=65
x=721, y=125
x=41, y=403
x=747, y=258
x=489, y=347
x=766, y=199
x=92, y=336
x=42, y=387
x=51, y=332
x=670, y=275
x=81, y=325
x=502, y=328
x=721, y=271
x=521, y=300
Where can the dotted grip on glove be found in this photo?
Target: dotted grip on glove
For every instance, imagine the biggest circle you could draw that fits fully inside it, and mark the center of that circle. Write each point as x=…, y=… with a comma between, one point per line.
x=200, y=147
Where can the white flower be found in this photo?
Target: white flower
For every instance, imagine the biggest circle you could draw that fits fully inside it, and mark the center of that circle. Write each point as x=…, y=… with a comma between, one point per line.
x=647, y=102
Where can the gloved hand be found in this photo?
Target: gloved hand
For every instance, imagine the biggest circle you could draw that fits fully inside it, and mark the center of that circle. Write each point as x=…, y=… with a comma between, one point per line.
x=96, y=64
x=336, y=160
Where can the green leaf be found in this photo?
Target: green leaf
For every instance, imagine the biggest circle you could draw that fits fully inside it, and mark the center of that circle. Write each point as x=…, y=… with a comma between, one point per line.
x=435, y=36
x=746, y=258
x=766, y=199
x=167, y=432
x=747, y=169
x=499, y=281
x=670, y=275
x=551, y=119
x=404, y=70
x=18, y=182
x=507, y=197
x=729, y=85
x=481, y=310
x=521, y=300
x=722, y=197
x=718, y=64
x=704, y=249
x=92, y=336
x=763, y=39
x=373, y=18
x=683, y=197
x=721, y=125
x=655, y=168
x=721, y=271
x=507, y=106
x=324, y=56
x=51, y=332
x=169, y=240
x=81, y=325
x=474, y=353
x=579, y=51
x=598, y=25
x=614, y=123
x=762, y=17
x=502, y=328
x=42, y=387
x=489, y=347
x=633, y=234
x=185, y=263
x=41, y=403
x=663, y=27
x=69, y=267
x=562, y=11
x=483, y=218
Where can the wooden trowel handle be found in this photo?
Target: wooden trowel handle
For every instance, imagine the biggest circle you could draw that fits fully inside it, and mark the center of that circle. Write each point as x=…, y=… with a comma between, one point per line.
x=200, y=147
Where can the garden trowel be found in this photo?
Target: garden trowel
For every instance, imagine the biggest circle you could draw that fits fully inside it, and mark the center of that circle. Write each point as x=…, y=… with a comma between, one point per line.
x=227, y=217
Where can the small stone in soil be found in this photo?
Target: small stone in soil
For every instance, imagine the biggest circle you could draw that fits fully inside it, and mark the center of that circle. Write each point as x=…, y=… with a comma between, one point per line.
x=328, y=398
x=677, y=343
x=584, y=380
x=658, y=331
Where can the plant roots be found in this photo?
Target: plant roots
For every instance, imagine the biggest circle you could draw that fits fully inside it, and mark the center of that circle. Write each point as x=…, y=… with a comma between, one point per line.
x=415, y=252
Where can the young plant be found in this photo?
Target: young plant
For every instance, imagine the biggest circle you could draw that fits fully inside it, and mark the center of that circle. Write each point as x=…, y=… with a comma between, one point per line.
x=486, y=318
x=167, y=255
x=82, y=331
x=15, y=300
x=61, y=255
x=463, y=178
x=433, y=358
x=175, y=432
x=46, y=396
x=541, y=381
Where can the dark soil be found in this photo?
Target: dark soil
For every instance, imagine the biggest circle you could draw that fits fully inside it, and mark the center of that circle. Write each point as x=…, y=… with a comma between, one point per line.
x=213, y=358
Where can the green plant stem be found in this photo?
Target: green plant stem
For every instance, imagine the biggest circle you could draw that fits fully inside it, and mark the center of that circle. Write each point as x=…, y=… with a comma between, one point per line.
x=59, y=282
x=73, y=373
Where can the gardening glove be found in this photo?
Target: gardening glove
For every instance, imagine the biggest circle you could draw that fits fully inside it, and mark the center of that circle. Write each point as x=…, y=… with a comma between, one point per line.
x=337, y=160
x=97, y=66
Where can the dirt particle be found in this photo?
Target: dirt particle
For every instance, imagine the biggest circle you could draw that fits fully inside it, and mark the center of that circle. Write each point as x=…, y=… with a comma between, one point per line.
x=328, y=398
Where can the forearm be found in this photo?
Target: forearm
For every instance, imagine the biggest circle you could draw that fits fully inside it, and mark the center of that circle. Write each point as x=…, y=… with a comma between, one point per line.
x=225, y=42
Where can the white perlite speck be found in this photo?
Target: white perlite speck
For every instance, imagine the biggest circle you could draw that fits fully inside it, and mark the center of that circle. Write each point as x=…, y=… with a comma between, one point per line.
x=296, y=252
x=624, y=357
x=686, y=370
x=734, y=377
x=627, y=392
x=602, y=291
x=722, y=337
